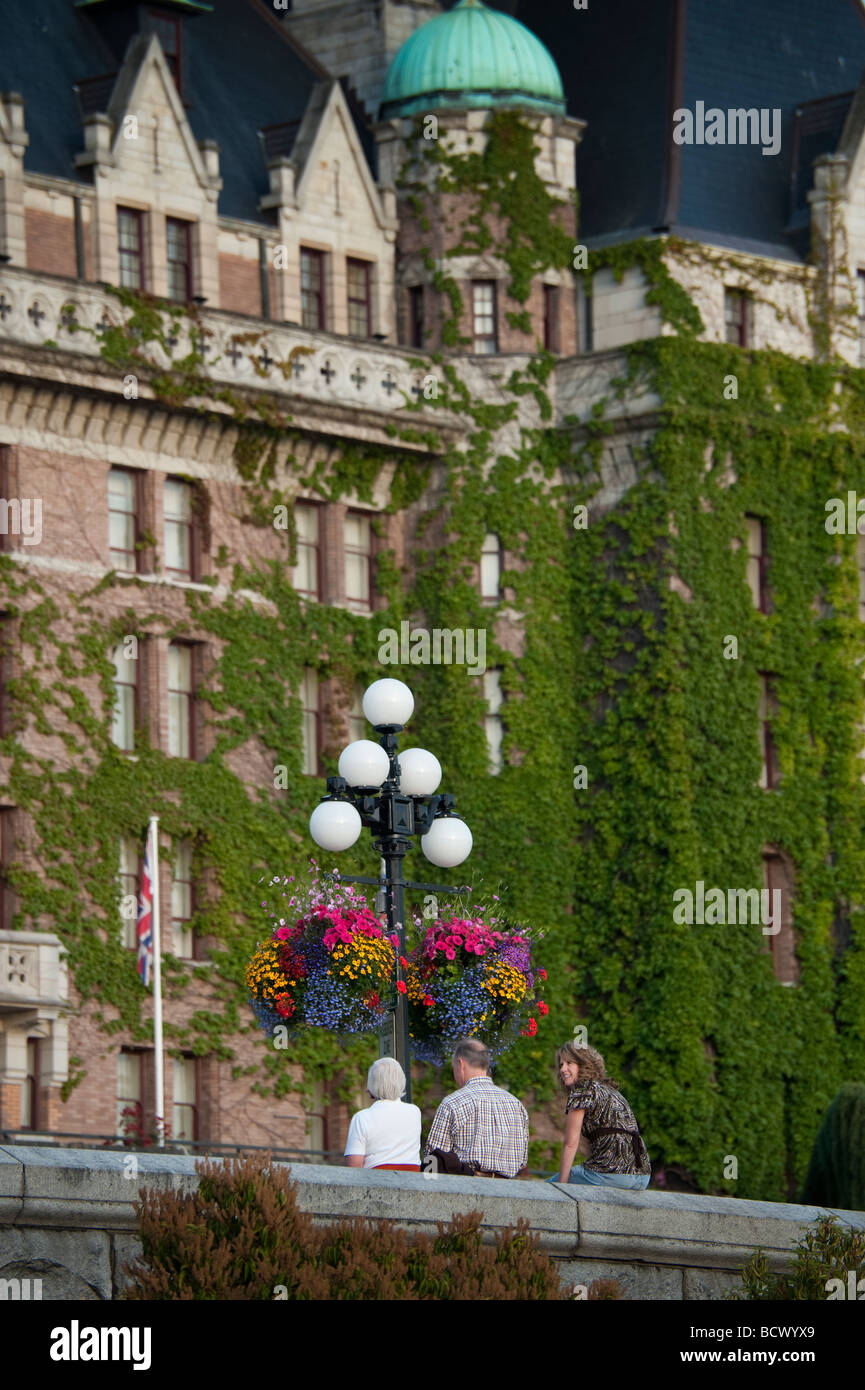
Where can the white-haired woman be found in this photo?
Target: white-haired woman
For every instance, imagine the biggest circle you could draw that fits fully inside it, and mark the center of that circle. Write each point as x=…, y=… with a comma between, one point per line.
x=387, y=1135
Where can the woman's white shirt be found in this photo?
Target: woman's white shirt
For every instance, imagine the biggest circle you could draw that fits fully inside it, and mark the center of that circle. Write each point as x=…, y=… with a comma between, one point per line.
x=388, y=1132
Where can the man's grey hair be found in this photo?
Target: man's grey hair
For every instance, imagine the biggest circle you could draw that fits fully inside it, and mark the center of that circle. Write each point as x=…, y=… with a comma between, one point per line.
x=473, y=1052
x=386, y=1079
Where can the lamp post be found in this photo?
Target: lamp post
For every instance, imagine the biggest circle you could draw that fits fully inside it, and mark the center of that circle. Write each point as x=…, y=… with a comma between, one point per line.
x=394, y=797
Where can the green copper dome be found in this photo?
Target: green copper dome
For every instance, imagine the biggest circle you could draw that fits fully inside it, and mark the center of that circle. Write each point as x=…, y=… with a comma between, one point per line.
x=471, y=56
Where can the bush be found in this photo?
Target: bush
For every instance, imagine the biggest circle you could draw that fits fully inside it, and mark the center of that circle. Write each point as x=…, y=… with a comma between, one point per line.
x=827, y=1252
x=241, y=1236
x=836, y=1173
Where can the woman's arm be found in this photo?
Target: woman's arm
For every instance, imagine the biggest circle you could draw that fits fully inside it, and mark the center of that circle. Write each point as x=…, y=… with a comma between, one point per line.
x=573, y=1131
x=354, y=1160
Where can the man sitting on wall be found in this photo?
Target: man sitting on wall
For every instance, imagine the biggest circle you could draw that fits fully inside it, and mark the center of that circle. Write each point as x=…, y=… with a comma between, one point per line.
x=479, y=1130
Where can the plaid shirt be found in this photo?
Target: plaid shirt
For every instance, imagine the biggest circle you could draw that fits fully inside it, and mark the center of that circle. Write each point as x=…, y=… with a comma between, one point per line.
x=485, y=1125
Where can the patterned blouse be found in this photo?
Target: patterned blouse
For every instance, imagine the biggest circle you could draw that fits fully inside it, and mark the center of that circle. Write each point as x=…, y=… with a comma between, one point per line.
x=606, y=1108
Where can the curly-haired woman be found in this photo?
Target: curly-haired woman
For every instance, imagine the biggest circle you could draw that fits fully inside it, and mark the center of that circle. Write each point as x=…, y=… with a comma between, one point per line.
x=597, y=1115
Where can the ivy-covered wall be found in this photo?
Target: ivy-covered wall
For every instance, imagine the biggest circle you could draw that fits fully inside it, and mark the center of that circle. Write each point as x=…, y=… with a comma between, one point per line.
x=604, y=665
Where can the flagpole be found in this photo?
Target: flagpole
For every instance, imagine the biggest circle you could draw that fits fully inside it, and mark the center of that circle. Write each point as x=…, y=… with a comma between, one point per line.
x=153, y=829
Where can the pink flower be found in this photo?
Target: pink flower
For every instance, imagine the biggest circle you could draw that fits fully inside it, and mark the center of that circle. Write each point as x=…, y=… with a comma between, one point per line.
x=450, y=954
x=282, y=933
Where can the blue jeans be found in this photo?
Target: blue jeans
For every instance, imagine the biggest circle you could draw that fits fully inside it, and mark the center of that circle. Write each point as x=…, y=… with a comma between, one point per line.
x=587, y=1177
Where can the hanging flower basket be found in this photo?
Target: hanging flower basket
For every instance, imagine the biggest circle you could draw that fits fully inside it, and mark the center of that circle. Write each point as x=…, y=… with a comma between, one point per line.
x=469, y=978
x=328, y=963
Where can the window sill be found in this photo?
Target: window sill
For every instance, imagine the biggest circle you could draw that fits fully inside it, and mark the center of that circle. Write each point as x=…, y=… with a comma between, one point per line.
x=195, y=584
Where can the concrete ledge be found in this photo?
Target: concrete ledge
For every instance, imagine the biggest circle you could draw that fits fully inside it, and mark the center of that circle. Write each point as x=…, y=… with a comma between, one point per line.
x=67, y=1216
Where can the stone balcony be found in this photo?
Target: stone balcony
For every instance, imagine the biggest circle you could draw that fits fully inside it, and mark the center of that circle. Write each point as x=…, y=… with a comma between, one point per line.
x=32, y=974
x=364, y=384
x=33, y=1007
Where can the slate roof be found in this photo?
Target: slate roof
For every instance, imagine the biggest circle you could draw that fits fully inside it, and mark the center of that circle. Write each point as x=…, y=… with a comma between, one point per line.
x=242, y=73
x=616, y=59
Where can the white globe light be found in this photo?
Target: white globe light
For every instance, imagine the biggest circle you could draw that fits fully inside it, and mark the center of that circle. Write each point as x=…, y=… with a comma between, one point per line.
x=364, y=763
x=335, y=825
x=388, y=702
x=420, y=772
x=447, y=842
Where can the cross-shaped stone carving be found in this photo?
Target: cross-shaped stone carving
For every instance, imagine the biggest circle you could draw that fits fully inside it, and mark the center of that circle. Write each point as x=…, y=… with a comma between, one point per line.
x=417, y=390
x=327, y=372
x=234, y=355
x=265, y=359
x=389, y=384
x=297, y=366
x=68, y=317
x=171, y=339
x=5, y=307
x=358, y=378
x=35, y=313
x=104, y=323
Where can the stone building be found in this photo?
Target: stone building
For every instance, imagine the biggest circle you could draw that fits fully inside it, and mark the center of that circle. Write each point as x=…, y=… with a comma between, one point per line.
x=242, y=162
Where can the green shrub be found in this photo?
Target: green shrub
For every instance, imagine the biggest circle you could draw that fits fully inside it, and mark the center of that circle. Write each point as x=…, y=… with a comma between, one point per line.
x=241, y=1236
x=836, y=1173
x=827, y=1252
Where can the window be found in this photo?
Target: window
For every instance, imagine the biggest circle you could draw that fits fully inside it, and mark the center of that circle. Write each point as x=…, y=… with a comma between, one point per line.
x=168, y=31
x=778, y=880
x=178, y=238
x=7, y=647
x=551, y=318
x=491, y=568
x=860, y=312
x=588, y=319
x=129, y=1091
x=181, y=900
x=30, y=1116
x=493, y=721
x=768, y=750
x=737, y=317
x=125, y=688
x=757, y=562
x=358, y=561
x=180, y=741
x=312, y=288
x=357, y=718
x=128, y=879
x=7, y=491
x=6, y=856
x=484, y=316
x=359, y=299
x=177, y=512
x=123, y=519
x=307, y=572
x=311, y=723
x=184, y=1118
x=130, y=246
x=860, y=560
x=415, y=316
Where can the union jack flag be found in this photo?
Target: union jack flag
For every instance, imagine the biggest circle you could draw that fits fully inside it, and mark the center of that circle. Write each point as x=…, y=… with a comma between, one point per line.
x=145, y=921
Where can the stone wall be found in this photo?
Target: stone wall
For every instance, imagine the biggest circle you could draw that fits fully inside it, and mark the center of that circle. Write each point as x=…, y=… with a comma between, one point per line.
x=66, y=1217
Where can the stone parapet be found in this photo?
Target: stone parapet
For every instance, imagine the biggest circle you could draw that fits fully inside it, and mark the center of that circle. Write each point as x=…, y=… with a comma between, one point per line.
x=67, y=1217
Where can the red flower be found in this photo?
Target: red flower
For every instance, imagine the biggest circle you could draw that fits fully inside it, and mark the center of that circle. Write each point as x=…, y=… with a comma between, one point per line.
x=403, y=962
x=543, y=1008
x=428, y=999
x=284, y=1006
x=543, y=974
x=400, y=984
x=372, y=1001
x=533, y=1027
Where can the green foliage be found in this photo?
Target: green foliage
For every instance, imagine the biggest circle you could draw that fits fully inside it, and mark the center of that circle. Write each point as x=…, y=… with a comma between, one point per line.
x=836, y=1173
x=241, y=1236
x=830, y=1251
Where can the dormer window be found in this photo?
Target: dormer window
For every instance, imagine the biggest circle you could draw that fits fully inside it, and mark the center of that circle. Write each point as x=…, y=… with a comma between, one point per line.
x=168, y=31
